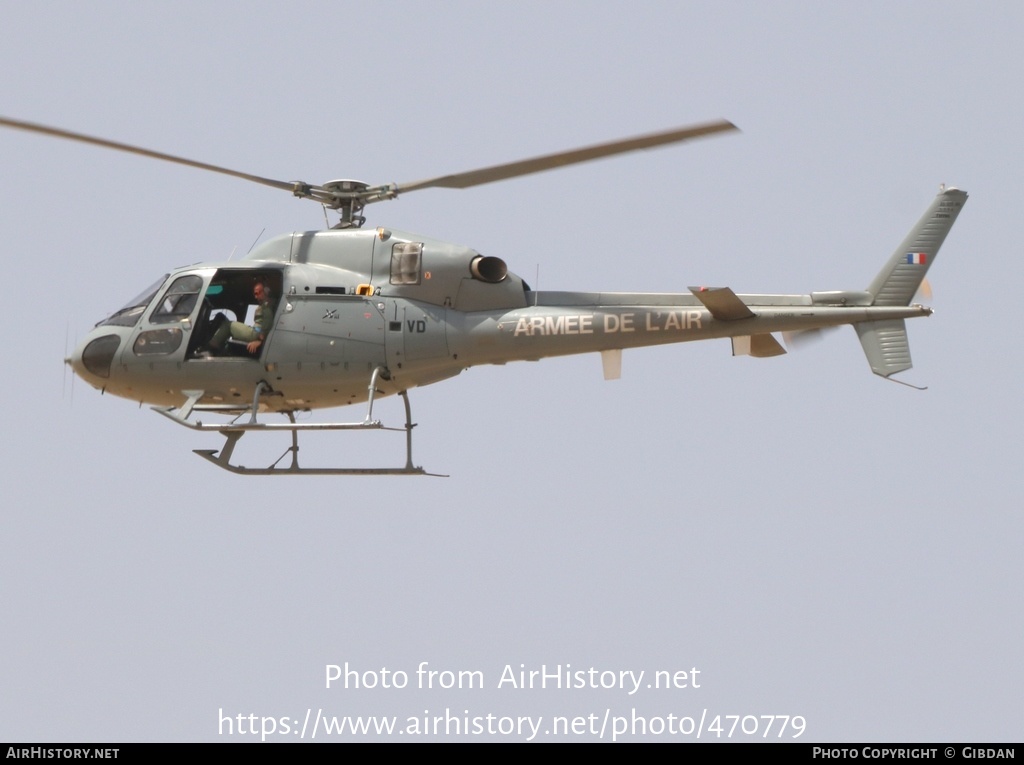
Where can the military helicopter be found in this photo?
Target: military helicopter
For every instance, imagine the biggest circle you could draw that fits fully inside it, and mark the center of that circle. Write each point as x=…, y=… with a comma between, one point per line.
x=352, y=314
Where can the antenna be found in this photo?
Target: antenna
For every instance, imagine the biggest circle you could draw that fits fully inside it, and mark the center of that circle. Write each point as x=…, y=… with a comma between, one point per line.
x=257, y=239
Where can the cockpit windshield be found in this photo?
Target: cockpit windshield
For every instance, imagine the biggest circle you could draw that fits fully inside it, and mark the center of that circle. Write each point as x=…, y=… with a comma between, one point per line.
x=128, y=316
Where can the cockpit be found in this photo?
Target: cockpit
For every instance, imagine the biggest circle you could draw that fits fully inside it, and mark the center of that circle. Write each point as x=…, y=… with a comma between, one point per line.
x=176, y=316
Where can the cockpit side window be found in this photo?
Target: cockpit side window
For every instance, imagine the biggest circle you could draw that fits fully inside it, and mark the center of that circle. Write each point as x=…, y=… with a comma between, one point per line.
x=179, y=300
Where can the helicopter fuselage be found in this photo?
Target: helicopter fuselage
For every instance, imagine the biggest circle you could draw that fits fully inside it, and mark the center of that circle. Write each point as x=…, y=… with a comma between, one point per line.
x=351, y=301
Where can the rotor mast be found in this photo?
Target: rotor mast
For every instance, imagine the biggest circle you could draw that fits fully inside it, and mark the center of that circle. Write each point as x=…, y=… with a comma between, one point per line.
x=348, y=198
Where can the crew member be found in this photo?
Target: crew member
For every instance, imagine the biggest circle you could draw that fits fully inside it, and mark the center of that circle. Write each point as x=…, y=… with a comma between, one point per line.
x=253, y=336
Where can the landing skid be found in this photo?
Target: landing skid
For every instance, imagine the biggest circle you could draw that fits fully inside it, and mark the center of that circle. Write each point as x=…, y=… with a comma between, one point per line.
x=234, y=430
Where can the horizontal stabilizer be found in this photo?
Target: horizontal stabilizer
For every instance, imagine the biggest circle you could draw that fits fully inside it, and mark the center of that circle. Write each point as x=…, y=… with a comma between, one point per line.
x=886, y=346
x=723, y=303
x=758, y=346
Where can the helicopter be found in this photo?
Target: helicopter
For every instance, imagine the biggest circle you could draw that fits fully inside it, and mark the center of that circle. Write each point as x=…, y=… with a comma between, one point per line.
x=351, y=314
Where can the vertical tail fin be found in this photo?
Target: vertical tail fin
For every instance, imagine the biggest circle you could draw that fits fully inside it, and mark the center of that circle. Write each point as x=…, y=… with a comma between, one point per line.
x=899, y=280
x=885, y=342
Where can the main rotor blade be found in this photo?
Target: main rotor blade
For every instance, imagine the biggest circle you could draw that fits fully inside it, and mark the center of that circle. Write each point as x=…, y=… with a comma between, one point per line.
x=550, y=161
x=58, y=133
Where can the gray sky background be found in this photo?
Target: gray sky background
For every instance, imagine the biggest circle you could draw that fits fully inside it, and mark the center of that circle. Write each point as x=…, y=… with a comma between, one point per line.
x=815, y=541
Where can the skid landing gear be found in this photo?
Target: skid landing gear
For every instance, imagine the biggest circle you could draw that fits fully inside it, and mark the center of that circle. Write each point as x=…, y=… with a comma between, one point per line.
x=234, y=430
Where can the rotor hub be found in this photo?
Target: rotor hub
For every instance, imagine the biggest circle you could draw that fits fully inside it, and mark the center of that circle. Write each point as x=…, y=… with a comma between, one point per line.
x=348, y=198
x=345, y=186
